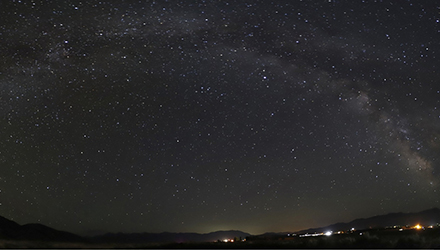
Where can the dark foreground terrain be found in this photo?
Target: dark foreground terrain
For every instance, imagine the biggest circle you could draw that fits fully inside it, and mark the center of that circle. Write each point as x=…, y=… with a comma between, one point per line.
x=375, y=238
x=378, y=238
x=397, y=230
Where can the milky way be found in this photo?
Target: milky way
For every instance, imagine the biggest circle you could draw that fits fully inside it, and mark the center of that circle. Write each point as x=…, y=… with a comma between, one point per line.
x=196, y=116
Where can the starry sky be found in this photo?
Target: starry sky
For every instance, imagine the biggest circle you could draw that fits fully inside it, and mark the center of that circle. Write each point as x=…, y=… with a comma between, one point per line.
x=197, y=116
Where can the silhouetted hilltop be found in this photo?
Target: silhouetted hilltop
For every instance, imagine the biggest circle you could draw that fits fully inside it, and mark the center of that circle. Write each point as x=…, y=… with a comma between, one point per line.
x=425, y=218
x=39, y=234
x=10, y=230
x=7, y=227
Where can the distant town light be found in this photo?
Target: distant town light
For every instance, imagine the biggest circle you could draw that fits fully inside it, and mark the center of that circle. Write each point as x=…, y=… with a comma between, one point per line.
x=328, y=233
x=418, y=226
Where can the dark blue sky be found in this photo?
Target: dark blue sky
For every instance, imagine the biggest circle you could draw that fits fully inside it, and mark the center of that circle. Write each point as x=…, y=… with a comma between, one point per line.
x=197, y=116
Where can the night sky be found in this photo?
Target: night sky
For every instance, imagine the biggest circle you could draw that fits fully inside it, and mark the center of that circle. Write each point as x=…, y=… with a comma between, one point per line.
x=197, y=116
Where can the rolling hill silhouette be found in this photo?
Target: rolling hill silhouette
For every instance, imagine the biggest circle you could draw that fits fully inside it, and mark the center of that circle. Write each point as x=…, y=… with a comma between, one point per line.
x=425, y=218
x=11, y=230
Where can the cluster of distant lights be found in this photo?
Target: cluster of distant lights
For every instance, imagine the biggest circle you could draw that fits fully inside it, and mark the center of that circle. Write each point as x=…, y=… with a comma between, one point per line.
x=329, y=233
x=418, y=227
x=232, y=240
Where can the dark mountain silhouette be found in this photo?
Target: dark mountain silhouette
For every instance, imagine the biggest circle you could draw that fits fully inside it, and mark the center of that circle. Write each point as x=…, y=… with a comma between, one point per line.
x=6, y=224
x=167, y=237
x=10, y=230
x=425, y=218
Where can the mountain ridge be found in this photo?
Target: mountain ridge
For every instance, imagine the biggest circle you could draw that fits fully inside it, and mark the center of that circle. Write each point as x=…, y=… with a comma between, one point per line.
x=11, y=230
x=425, y=217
